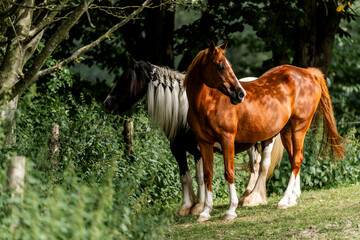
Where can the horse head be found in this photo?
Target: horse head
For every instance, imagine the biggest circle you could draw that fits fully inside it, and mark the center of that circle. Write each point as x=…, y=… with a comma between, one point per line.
x=129, y=88
x=217, y=73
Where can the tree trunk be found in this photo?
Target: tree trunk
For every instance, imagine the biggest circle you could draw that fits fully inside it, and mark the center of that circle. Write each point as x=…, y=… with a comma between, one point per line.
x=195, y=45
x=327, y=21
x=13, y=62
x=157, y=44
x=315, y=40
x=159, y=34
x=306, y=36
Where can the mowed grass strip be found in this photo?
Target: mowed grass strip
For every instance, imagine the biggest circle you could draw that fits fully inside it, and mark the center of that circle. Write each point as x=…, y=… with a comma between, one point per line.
x=322, y=214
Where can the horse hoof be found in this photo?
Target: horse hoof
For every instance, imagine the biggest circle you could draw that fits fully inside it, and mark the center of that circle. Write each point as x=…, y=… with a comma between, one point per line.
x=202, y=218
x=184, y=211
x=282, y=206
x=229, y=217
x=197, y=209
x=253, y=200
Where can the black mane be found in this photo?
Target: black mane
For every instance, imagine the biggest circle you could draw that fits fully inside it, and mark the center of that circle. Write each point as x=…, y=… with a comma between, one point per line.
x=141, y=75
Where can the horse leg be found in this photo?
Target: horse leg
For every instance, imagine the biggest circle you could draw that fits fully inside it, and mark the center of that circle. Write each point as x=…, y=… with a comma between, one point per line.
x=254, y=160
x=292, y=192
x=207, y=155
x=199, y=206
x=228, y=150
x=188, y=196
x=297, y=190
x=258, y=195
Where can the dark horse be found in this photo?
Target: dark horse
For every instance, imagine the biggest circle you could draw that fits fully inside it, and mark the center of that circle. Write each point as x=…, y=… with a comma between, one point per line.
x=283, y=100
x=167, y=106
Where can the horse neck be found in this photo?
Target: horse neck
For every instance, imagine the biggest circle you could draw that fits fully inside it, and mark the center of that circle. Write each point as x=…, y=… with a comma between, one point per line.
x=194, y=88
x=167, y=101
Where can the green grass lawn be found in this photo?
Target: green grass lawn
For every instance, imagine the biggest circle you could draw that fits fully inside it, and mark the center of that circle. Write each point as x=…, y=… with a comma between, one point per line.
x=322, y=214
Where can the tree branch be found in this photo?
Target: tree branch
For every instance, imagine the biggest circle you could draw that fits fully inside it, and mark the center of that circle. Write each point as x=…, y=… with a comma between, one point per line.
x=12, y=62
x=93, y=44
x=61, y=33
x=49, y=19
x=12, y=10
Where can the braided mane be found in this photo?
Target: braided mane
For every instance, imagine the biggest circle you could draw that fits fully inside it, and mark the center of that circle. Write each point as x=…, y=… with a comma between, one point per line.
x=166, y=100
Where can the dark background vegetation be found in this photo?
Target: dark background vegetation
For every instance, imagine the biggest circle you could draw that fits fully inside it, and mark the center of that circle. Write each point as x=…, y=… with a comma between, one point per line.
x=97, y=190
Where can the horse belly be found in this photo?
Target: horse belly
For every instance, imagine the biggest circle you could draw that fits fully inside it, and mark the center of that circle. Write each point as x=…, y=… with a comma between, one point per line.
x=262, y=127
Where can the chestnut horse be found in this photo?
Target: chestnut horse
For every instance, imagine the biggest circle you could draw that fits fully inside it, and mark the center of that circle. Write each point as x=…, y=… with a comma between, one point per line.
x=283, y=100
x=167, y=107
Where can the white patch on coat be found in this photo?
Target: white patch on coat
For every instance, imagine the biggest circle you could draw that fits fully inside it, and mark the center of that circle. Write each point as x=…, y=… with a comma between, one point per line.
x=233, y=200
x=258, y=194
x=227, y=63
x=188, y=192
x=247, y=79
x=288, y=199
x=208, y=204
x=200, y=181
x=297, y=189
x=218, y=146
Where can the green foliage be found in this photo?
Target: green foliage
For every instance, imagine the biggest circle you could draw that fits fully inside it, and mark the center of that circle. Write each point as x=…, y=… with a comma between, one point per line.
x=344, y=77
x=95, y=190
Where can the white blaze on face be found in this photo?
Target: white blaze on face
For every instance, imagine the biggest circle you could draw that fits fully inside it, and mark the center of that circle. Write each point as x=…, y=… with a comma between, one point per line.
x=227, y=63
x=247, y=79
x=237, y=80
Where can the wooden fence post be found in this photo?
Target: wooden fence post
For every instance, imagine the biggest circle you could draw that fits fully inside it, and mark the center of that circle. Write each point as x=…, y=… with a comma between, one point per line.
x=54, y=143
x=128, y=134
x=16, y=175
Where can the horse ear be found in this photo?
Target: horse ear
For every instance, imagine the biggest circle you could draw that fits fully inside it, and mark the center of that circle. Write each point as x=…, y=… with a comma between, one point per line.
x=131, y=61
x=212, y=47
x=223, y=46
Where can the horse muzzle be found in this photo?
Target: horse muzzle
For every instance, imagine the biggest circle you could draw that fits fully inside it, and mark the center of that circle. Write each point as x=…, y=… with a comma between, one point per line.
x=108, y=104
x=237, y=97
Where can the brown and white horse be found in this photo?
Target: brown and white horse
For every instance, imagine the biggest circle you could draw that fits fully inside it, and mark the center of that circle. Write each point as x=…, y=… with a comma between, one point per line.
x=167, y=107
x=221, y=110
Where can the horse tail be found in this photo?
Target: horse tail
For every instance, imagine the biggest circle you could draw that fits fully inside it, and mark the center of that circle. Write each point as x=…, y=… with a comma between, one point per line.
x=330, y=135
x=276, y=156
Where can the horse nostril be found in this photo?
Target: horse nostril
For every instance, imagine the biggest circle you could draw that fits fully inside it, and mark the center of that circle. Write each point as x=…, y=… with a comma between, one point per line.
x=241, y=95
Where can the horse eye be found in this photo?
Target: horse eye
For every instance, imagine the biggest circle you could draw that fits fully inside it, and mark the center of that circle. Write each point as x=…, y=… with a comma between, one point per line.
x=221, y=67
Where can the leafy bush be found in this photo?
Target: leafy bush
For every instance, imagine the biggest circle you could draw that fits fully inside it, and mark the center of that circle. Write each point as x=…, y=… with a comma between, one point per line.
x=95, y=191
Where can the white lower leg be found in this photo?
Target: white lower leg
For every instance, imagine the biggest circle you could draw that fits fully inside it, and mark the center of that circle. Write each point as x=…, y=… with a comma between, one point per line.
x=208, y=205
x=297, y=189
x=258, y=195
x=286, y=201
x=200, y=181
x=196, y=210
x=233, y=200
x=255, y=159
x=188, y=194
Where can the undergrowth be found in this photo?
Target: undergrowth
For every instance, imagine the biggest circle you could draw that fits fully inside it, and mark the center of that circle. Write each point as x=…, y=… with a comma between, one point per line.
x=96, y=191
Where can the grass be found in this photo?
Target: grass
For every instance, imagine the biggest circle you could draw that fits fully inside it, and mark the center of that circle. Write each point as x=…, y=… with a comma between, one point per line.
x=322, y=214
